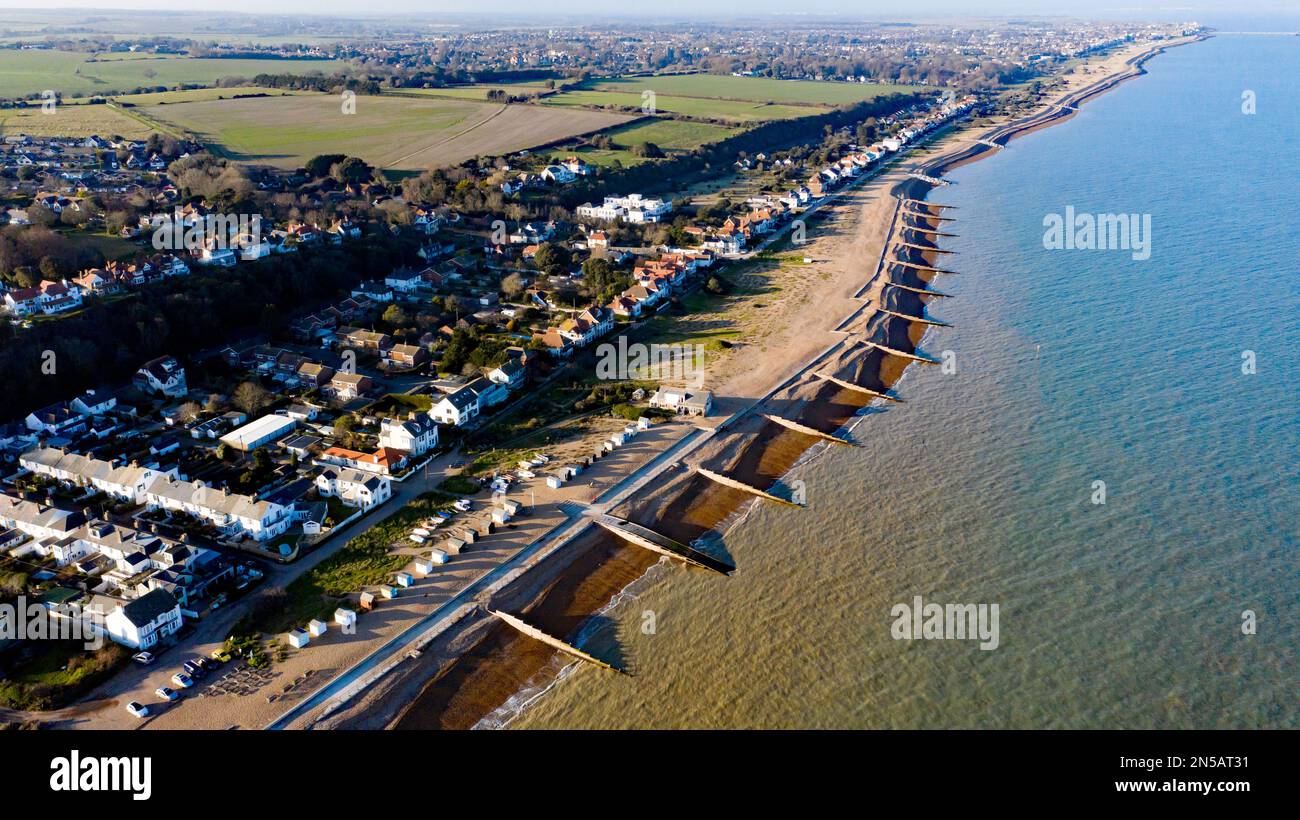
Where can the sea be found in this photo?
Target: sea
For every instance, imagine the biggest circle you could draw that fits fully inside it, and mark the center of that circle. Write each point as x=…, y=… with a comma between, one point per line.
x=1112, y=458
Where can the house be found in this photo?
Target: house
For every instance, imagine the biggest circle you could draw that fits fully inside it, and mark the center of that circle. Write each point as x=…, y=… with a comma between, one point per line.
x=633, y=208
x=512, y=374
x=375, y=291
x=403, y=281
x=141, y=623
x=456, y=408
x=232, y=513
x=416, y=435
x=353, y=487
x=23, y=301
x=407, y=356
x=683, y=402
x=314, y=374
x=383, y=461
x=125, y=482
x=489, y=392
x=365, y=339
x=558, y=174
x=348, y=386
x=587, y=326
x=162, y=375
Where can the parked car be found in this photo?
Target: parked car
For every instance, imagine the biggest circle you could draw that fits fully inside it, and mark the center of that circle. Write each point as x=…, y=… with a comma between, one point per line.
x=166, y=693
x=145, y=658
x=193, y=669
x=220, y=655
x=137, y=709
x=182, y=680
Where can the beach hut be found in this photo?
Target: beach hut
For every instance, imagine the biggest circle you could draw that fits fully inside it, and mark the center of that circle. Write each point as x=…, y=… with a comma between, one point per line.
x=643, y=423
x=617, y=439
x=424, y=566
x=469, y=535
x=298, y=638
x=439, y=557
x=317, y=627
x=511, y=507
x=405, y=579
x=486, y=527
x=367, y=600
x=500, y=516
x=388, y=591
x=417, y=538
x=554, y=482
x=455, y=546
x=629, y=431
x=345, y=617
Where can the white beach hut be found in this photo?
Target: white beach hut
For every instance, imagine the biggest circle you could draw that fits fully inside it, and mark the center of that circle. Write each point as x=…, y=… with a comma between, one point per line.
x=424, y=566
x=438, y=557
x=405, y=579
x=388, y=591
x=317, y=627
x=298, y=638
x=455, y=546
x=345, y=617
x=554, y=482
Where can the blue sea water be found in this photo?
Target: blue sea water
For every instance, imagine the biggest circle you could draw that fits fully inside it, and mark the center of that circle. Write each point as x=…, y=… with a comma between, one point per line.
x=1073, y=367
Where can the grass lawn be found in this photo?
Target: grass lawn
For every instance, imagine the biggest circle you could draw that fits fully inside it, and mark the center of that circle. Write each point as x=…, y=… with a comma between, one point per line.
x=366, y=560
x=72, y=120
x=755, y=89
x=75, y=74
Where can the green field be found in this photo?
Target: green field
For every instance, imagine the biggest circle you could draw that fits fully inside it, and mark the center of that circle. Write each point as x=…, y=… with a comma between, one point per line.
x=400, y=133
x=72, y=121
x=74, y=74
x=670, y=135
x=474, y=92
x=753, y=89
x=201, y=94
x=737, y=111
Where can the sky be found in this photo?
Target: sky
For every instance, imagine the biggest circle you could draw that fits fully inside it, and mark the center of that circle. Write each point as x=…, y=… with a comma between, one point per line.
x=880, y=9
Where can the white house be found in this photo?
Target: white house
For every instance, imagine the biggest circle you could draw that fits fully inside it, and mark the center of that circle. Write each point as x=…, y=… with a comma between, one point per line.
x=633, y=208
x=512, y=374
x=353, y=487
x=456, y=408
x=140, y=624
x=416, y=435
x=683, y=402
x=162, y=375
x=127, y=482
x=232, y=513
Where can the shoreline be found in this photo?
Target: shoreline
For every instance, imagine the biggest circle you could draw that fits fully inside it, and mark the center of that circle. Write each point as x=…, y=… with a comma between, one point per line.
x=477, y=667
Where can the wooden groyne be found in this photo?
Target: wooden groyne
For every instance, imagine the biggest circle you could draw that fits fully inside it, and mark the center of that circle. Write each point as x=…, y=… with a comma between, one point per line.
x=927, y=203
x=848, y=385
x=534, y=632
x=740, y=485
x=930, y=231
x=926, y=248
x=662, y=544
x=921, y=291
x=918, y=319
x=904, y=354
x=927, y=215
x=808, y=431
x=925, y=268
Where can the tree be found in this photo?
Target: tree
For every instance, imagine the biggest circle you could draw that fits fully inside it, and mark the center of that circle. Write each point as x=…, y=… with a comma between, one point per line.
x=189, y=410
x=351, y=169
x=648, y=150
x=320, y=165
x=394, y=316
x=513, y=286
x=251, y=397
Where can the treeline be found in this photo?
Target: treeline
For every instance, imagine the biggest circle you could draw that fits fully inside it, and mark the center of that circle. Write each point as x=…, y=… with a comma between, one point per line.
x=107, y=340
x=669, y=174
x=317, y=82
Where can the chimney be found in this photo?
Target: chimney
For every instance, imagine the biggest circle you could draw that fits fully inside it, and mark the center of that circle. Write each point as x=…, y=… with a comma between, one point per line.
x=153, y=528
